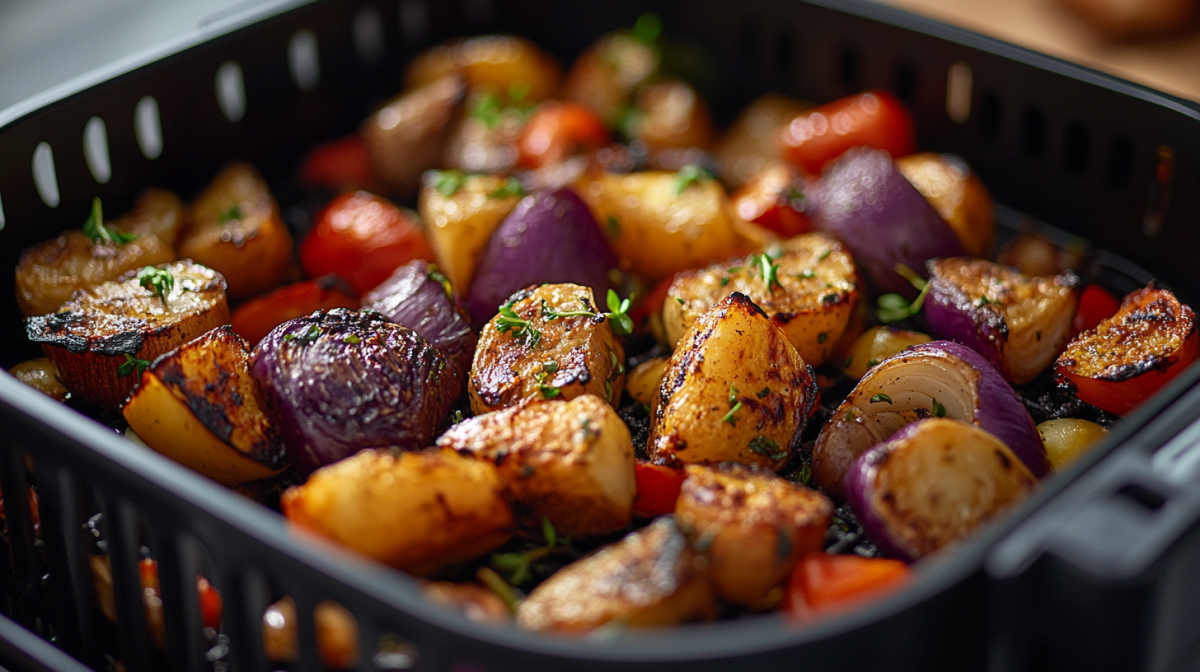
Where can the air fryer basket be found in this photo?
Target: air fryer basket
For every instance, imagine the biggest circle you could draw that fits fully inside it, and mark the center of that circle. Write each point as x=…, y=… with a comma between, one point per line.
x=1092, y=154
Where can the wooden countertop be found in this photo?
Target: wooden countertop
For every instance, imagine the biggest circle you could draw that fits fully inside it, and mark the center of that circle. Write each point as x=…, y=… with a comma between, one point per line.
x=1170, y=64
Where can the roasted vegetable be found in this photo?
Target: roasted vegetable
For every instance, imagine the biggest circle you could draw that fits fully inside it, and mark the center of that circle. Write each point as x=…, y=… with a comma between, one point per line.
x=605, y=76
x=752, y=526
x=649, y=578
x=735, y=391
x=338, y=381
x=1131, y=355
x=932, y=379
x=1019, y=324
x=336, y=630
x=749, y=146
x=549, y=237
x=503, y=64
x=198, y=405
x=405, y=136
x=474, y=601
x=1096, y=304
x=934, y=483
x=875, y=119
x=883, y=219
x=419, y=297
x=569, y=462
x=236, y=230
x=876, y=345
x=461, y=213
x=414, y=511
x=256, y=318
x=958, y=195
x=339, y=164
x=49, y=273
x=659, y=222
x=104, y=335
x=362, y=238
x=41, y=375
x=776, y=199
x=658, y=489
x=484, y=139
x=550, y=342
x=557, y=130
x=669, y=114
x=808, y=287
x=825, y=584
x=642, y=382
x=1068, y=439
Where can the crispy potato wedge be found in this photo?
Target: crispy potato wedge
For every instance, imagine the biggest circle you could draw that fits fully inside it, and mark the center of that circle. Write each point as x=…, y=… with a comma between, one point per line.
x=413, y=511
x=547, y=357
x=198, y=406
x=659, y=222
x=813, y=300
x=735, y=391
x=405, y=136
x=49, y=273
x=41, y=375
x=236, y=230
x=461, y=212
x=96, y=338
x=642, y=382
x=649, y=578
x=497, y=63
x=749, y=145
x=570, y=462
x=957, y=193
x=752, y=526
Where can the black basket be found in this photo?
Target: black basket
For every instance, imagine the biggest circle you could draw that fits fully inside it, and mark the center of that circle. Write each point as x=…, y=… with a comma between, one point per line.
x=1094, y=155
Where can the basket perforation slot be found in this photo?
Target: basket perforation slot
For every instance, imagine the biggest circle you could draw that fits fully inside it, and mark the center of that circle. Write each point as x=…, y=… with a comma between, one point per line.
x=1077, y=151
x=308, y=657
x=122, y=531
x=1033, y=132
x=370, y=41
x=18, y=516
x=304, y=60
x=989, y=117
x=95, y=150
x=246, y=600
x=1120, y=161
x=178, y=567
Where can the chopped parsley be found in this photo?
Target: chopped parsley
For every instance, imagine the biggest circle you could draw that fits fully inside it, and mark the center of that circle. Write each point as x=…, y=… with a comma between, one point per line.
x=804, y=475
x=312, y=333
x=508, y=320
x=807, y=274
x=678, y=300
x=446, y=182
x=822, y=337
x=734, y=404
x=351, y=339
x=881, y=397
x=767, y=447
x=763, y=392
x=95, y=229
x=231, y=214
x=158, y=280
x=824, y=255
x=131, y=364
x=511, y=188
x=981, y=302
x=939, y=411
x=689, y=175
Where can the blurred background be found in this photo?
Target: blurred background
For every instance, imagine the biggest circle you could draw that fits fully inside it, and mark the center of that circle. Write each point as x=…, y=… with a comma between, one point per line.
x=1153, y=42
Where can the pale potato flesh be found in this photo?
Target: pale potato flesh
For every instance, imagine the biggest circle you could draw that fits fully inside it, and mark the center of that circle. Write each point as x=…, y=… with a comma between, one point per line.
x=570, y=462
x=642, y=382
x=460, y=224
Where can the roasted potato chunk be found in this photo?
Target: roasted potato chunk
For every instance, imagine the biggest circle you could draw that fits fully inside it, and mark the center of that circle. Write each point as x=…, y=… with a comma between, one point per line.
x=749, y=145
x=673, y=116
x=49, y=273
x=809, y=289
x=498, y=63
x=198, y=405
x=735, y=391
x=236, y=230
x=405, y=136
x=570, y=462
x=41, y=375
x=660, y=222
x=642, y=382
x=413, y=511
x=752, y=526
x=605, y=76
x=461, y=212
x=548, y=342
x=649, y=578
x=957, y=193
x=97, y=337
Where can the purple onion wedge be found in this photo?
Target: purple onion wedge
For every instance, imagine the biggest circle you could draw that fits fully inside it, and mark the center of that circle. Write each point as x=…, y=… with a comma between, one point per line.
x=932, y=484
x=338, y=381
x=938, y=379
x=419, y=297
x=1019, y=324
x=882, y=218
x=551, y=237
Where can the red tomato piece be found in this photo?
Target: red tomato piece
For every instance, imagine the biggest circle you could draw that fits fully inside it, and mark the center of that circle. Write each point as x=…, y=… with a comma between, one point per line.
x=556, y=130
x=822, y=583
x=339, y=164
x=875, y=119
x=657, y=489
x=211, y=603
x=1096, y=304
x=363, y=238
x=257, y=317
x=775, y=199
x=650, y=305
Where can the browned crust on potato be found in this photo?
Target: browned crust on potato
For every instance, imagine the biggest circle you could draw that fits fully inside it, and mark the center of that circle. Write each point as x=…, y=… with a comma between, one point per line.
x=405, y=136
x=1145, y=335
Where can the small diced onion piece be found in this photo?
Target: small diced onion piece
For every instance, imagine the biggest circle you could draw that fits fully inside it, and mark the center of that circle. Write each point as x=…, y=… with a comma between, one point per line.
x=1068, y=439
x=876, y=345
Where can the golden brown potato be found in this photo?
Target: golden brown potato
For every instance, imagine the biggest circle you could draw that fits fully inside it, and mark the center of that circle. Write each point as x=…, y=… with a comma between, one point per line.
x=475, y=602
x=1068, y=439
x=414, y=511
x=505, y=64
x=735, y=391
x=461, y=212
x=649, y=578
x=813, y=299
x=749, y=145
x=664, y=221
x=405, y=136
x=604, y=77
x=484, y=139
x=337, y=634
x=49, y=273
x=236, y=230
x=752, y=526
x=643, y=381
x=570, y=462
x=876, y=345
x=97, y=338
x=957, y=193
x=673, y=116
x=198, y=406
x=546, y=357
x=41, y=375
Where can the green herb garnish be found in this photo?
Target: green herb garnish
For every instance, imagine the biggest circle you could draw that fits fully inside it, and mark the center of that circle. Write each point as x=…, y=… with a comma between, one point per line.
x=496, y=583
x=458, y=416
x=351, y=339
x=95, y=229
x=981, y=302
x=767, y=448
x=305, y=337
x=511, y=187
x=824, y=255
x=446, y=182
x=734, y=404
x=881, y=397
x=939, y=411
x=807, y=274
x=678, y=300
x=130, y=365
x=550, y=366
x=515, y=567
x=487, y=108
x=763, y=392
x=647, y=28
x=509, y=320
x=871, y=363
x=766, y=266
x=618, y=314
x=158, y=280
x=689, y=175
x=232, y=214
x=851, y=414
x=893, y=307
x=822, y=337
x=803, y=475
x=436, y=275
x=614, y=227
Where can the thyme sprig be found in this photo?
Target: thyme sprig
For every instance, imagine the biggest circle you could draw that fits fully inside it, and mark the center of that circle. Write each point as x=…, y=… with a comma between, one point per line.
x=158, y=280
x=893, y=307
x=515, y=567
x=130, y=364
x=523, y=330
x=95, y=229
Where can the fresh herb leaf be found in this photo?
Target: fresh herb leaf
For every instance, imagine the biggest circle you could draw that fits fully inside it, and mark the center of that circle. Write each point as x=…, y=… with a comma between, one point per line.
x=881, y=397
x=909, y=274
x=939, y=411
x=724, y=280
x=734, y=404
x=352, y=339
x=767, y=448
x=487, y=108
x=516, y=566
x=804, y=475
x=549, y=533
x=158, y=280
x=550, y=366
x=549, y=313
x=509, y=320
x=824, y=255
x=893, y=307
x=647, y=28
x=446, y=182
x=496, y=583
x=131, y=364
x=547, y=391
x=312, y=333
x=614, y=227
x=822, y=337
x=689, y=175
x=763, y=392
x=231, y=214
x=618, y=314
x=511, y=187
x=851, y=414
x=678, y=300
x=981, y=302
x=769, y=269
x=807, y=274
x=458, y=416
x=95, y=229
x=436, y=275
x=871, y=363
x=829, y=298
